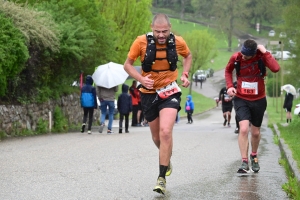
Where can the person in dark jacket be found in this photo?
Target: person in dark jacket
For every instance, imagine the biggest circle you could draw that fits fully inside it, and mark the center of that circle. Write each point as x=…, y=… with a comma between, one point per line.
x=88, y=102
x=287, y=105
x=125, y=107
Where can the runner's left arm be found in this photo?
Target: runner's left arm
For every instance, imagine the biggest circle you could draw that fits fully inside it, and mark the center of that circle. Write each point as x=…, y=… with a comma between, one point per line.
x=187, y=61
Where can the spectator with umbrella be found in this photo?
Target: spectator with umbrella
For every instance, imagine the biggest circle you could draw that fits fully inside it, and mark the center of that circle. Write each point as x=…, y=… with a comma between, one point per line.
x=107, y=77
x=288, y=101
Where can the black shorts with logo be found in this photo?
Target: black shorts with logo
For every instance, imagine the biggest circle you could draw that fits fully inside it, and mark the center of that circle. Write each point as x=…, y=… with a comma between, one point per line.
x=250, y=110
x=152, y=104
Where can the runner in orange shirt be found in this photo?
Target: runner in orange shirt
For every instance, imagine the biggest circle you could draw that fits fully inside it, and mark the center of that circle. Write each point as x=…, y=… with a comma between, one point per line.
x=160, y=94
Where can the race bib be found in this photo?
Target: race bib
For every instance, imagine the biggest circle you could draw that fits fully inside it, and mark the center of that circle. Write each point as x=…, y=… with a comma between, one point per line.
x=249, y=88
x=169, y=90
x=227, y=98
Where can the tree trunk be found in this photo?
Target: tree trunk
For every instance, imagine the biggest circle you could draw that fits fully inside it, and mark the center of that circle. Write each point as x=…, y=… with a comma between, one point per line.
x=231, y=19
x=182, y=9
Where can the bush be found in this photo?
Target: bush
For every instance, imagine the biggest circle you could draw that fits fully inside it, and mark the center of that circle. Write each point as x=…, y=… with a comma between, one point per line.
x=60, y=122
x=42, y=126
x=13, y=55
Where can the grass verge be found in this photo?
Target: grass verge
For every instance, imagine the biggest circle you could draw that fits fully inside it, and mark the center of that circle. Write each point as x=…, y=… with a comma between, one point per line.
x=290, y=134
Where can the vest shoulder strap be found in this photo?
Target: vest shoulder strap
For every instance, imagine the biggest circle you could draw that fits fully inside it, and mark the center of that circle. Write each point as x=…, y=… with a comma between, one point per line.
x=259, y=62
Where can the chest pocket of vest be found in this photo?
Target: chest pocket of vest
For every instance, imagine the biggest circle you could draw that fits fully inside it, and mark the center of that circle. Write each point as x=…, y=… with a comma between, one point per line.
x=150, y=55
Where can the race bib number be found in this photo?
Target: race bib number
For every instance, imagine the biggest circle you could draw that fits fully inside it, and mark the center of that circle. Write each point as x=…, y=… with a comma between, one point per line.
x=249, y=88
x=227, y=98
x=169, y=90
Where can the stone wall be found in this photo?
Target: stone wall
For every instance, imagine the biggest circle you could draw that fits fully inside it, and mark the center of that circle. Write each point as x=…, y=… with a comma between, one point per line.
x=27, y=116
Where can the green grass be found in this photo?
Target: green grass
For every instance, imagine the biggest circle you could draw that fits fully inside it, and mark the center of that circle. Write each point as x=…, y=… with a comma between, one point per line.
x=292, y=186
x=290, y=134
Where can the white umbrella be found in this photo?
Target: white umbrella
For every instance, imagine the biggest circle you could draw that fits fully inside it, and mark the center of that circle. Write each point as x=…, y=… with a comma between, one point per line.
x=289, y=88
x=109, y=75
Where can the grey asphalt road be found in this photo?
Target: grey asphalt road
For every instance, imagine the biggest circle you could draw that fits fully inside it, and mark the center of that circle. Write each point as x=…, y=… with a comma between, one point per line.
x=125, y=166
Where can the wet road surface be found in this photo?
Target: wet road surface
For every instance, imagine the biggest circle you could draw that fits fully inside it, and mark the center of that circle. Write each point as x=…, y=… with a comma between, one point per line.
x=125, y=166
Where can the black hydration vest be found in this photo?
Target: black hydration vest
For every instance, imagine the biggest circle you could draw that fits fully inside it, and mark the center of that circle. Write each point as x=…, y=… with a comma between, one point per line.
x=150, y=55
x=259, y=62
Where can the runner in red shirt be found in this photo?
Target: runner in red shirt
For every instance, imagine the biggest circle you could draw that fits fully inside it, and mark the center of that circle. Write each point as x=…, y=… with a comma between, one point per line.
x=250, y=98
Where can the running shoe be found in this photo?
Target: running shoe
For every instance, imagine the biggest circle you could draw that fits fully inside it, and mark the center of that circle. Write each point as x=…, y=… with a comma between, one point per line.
x=160, y=186
x=236, y=130
x=109, y=132
x=229, y=125
x=89, y=132
x=101, y=127
x=254, y=163
x=82, y=128
x=244, y=168
x=225, y=121
x=169, y=170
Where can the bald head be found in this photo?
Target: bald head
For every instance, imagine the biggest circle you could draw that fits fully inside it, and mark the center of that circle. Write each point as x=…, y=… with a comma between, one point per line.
x=160, y=19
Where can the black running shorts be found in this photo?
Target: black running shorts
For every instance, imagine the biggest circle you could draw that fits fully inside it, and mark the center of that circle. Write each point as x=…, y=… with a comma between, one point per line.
x=227, y=108
x=288, y=109
x=152, y=104
x=250, y=110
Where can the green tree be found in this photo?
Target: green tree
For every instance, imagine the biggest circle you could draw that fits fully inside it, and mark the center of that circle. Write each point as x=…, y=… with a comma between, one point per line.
x=203, y=8
x=291, y=26
x=13, y=55
x=230, y=15
x=131, y=18
x=263, y=11
x=103, y=48
x=203, y=49
x=41, y=37
x=37, y=27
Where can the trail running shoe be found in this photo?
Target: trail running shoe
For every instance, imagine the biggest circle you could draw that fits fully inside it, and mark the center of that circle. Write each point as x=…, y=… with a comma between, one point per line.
x=225, y=121
x=254, y=163
x=82, y=128
x=89, y=132
x=169, y=170
x=160, y=186
x=101, y=128
x=236, y=130
x=244, y=168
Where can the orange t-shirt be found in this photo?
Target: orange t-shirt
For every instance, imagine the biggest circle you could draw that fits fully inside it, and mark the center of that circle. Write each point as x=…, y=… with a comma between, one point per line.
x=161, y=78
